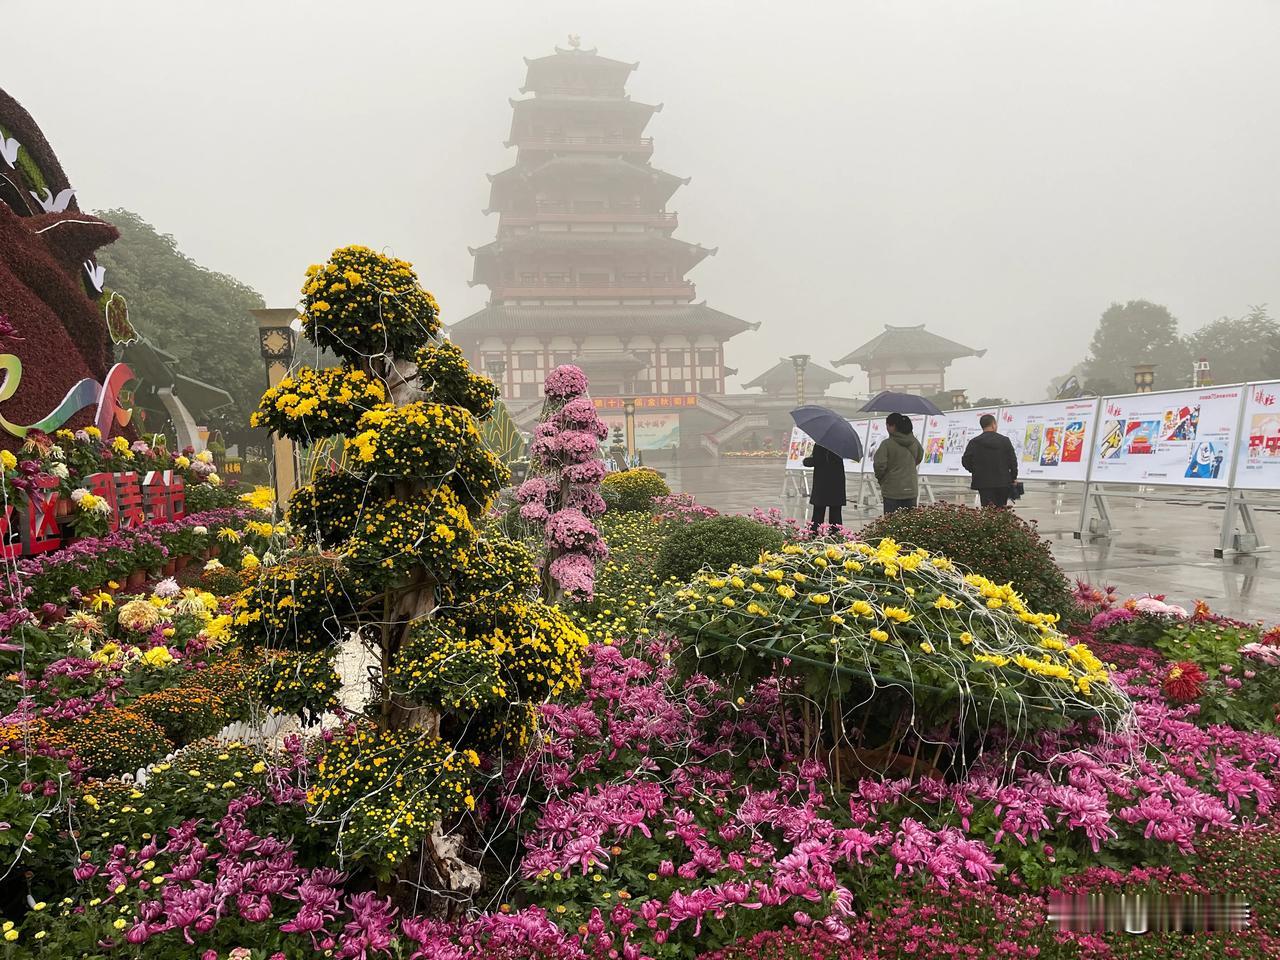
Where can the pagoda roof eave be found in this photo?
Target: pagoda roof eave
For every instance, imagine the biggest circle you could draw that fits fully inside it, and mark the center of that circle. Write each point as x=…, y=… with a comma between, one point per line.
x=618, y=70
x=645, y=111
x=909, y=341
x=553, y=164
x=587, y=319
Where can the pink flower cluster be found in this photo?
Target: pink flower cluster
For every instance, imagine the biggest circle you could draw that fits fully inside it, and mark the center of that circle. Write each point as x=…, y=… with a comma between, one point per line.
x=675, y=770
x=564, y=494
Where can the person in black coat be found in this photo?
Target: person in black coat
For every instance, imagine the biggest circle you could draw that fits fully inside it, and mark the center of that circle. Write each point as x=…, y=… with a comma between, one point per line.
x=992, y=461
x=828, y=493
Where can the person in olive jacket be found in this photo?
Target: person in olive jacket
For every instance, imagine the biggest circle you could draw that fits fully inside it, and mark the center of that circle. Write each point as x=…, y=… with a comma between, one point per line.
x=896, y=461
x=991, y=459
x=828, y=494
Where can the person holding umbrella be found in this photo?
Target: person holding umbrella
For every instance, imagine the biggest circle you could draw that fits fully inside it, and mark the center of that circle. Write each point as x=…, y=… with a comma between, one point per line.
x=828, y=494
x=896, y=463
x=835, y=440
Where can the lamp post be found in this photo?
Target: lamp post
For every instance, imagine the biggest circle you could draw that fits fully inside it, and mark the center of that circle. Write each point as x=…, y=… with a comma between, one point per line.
x=800, y=361
x=275, y=340
x=496, y=367
x=629, y=418
x=1144, y=377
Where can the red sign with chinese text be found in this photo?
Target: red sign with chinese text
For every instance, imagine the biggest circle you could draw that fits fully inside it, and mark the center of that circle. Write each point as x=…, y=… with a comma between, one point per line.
x=31, y=526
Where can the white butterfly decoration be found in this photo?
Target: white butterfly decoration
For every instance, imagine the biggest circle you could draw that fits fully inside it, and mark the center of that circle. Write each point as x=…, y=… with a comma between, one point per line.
x=9, y=151
x=97, y=274
x=52, y=204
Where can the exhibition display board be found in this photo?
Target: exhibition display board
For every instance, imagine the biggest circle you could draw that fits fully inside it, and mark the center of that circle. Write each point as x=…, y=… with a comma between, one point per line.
x=945, y=437
x=1176, y=438
x=1258, y=452
x=1210, y=437
x=1052, y=440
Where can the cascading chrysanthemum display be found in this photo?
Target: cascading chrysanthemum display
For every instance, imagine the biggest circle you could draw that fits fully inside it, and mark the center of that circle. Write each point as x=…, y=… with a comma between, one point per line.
x=564, y=496
x=394, y=552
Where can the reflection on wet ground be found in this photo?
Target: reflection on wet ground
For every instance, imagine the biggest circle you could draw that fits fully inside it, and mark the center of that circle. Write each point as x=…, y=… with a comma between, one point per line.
x=1156, y=546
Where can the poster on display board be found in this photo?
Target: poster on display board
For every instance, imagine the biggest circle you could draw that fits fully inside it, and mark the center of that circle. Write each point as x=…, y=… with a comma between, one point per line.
x=800, y=446
x=1052, y=440
x=656, y=430
x=945, y=437
x=1258, y=460
x=1182, y=437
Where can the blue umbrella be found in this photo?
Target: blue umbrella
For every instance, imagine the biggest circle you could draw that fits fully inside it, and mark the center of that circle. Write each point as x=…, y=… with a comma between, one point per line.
x=890, y=402
x=828, y=429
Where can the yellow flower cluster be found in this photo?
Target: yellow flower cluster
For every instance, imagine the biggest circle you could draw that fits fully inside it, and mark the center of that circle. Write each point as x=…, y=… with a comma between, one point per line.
x=512, y=649
x=297, y=683
x=362, y=303
x=421, y=440
x=295, y=603
x=444, y=373
x=388, y=788
x=318, y=403
x=260, y=498
x=395, y=537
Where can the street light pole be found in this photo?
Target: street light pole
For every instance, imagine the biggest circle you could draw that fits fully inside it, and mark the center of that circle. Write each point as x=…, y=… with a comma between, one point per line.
x=496, y=367
x=275, y=341
x=800, y=361
x=629, y=418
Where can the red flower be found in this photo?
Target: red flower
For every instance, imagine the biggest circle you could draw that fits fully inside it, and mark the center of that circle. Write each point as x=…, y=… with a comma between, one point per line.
x=1182, y=681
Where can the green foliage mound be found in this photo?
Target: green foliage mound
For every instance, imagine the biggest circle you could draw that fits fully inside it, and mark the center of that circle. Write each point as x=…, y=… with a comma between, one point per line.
x=998, y=544
x=716, y=542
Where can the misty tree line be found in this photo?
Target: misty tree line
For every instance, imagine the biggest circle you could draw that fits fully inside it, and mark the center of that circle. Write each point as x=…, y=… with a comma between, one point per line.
x=1139, y=331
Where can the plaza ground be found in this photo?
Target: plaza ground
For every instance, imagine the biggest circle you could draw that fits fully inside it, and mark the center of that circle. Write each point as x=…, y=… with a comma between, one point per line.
x=1156, y=546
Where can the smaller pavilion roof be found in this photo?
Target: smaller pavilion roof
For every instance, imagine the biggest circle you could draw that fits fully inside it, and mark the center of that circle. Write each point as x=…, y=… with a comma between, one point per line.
x=782, y=375
x=160, y=369
x=913, y=341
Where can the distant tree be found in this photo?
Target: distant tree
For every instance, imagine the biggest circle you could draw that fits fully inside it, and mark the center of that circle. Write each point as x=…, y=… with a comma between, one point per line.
x=1101, y=387
x=1239, y=348
x=1137, y=332
x=989, y=402
x=198, y=315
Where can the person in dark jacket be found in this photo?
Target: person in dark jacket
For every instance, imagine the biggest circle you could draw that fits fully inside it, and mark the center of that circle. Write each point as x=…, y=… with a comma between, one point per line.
x=828, y=494
x=991, y=459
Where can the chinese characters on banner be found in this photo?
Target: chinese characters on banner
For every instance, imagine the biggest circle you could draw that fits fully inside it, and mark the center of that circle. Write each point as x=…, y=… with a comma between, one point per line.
x=31, y=525
x=1258, y=457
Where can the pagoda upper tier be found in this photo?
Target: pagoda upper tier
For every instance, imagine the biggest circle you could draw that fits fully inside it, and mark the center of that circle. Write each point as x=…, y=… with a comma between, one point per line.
x=582, y=212
x=585, y=237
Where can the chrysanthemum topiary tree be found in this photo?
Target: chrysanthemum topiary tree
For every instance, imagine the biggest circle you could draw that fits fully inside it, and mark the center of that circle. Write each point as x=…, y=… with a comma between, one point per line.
x=396, y=554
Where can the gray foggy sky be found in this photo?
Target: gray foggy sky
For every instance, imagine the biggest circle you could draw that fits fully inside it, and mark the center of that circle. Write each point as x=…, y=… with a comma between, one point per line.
x=998, y=170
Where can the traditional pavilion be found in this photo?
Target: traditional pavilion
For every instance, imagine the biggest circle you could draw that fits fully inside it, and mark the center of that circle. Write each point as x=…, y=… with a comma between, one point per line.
x=585, y=268
x=779, y=381
x=907, y=360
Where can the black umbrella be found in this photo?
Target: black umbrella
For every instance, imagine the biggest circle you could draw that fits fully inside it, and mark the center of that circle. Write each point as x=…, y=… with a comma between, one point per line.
x=890, y=402
x=828, y=429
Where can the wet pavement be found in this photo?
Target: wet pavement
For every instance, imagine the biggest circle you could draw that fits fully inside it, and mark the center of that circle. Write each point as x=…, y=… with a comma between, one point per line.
x=1155, y=546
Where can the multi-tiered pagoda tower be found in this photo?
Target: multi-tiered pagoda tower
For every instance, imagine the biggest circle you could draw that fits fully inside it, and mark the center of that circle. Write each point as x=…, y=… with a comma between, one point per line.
x=585, y=268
